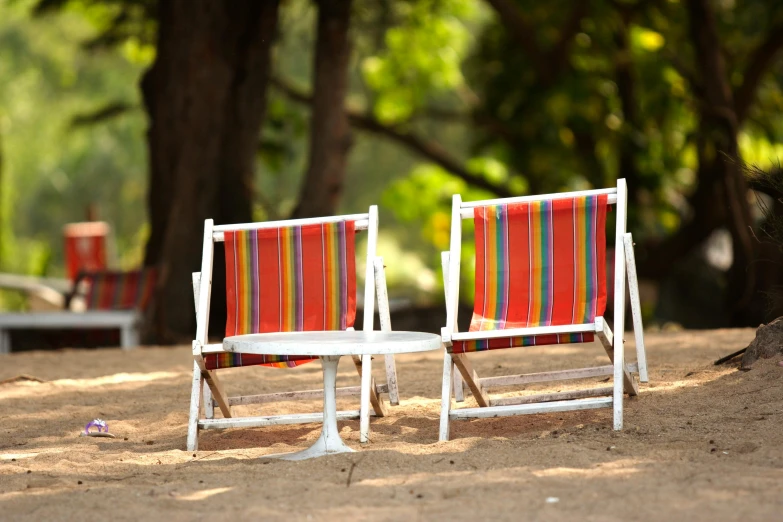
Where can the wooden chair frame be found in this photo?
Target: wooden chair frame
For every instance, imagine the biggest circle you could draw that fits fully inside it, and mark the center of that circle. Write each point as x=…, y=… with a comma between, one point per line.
x=549, y=402
x=214, y=394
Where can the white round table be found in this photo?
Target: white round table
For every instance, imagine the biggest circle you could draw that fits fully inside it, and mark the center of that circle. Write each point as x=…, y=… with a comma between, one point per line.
x=329, y=347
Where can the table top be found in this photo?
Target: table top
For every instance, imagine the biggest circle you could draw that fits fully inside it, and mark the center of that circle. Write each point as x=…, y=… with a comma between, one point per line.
x=333, y=343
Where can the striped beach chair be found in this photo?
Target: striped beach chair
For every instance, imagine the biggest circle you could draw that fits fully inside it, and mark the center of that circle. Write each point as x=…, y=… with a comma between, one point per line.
x=115, y=290
x=286, y=276
x=540, y=280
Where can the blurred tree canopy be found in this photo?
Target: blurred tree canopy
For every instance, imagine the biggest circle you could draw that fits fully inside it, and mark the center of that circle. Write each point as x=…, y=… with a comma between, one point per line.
x=481, y=97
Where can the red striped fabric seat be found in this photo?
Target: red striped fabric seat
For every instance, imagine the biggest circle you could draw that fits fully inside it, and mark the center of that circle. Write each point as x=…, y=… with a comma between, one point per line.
x=114, y=290
x=287, y=279
x=538, y=264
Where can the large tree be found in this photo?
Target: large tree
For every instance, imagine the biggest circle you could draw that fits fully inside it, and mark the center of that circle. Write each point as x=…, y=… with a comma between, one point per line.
x=580, y=92
x=330, y=133
x=206, y=97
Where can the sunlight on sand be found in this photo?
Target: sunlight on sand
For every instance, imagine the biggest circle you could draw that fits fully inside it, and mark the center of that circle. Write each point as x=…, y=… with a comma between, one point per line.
x=9, y=456
x=609, y=469
x=117, y=378
x=23, y=389
x=203, y=494
x=18, y=456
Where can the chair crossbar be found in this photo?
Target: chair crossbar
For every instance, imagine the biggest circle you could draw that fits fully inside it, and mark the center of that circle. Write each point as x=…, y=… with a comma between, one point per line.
x=522, y=409
x=551, y=397
x=612, y=192
x=272, y=420
x=560, y=375
x=518, y=332
x=299, y=395
x=362, y=221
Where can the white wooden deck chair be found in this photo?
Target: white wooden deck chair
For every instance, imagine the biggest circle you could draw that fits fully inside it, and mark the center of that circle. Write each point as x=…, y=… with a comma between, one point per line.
x=287, y=276
x=540, y=279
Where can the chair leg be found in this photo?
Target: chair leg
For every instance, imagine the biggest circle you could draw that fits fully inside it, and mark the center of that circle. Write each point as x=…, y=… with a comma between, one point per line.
x=445, y=404
x=195, y=408
x=617, y=394
x=209, y=405
x=364, y=409
x=636, y=308
x=607, y=341
x=459, y=391
x=385, y=319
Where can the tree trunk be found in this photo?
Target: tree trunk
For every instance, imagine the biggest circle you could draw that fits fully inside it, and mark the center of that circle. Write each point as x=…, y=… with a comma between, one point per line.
x=719, y=166
x=205, y=97
x=330, y=132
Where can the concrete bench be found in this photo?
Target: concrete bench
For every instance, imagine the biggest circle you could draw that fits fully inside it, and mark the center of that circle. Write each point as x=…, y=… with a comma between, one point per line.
x=128, y=322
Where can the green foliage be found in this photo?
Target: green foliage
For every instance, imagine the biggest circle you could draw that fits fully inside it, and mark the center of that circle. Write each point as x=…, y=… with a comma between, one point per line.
x=62, y=152
x=621, y=103
x=421, y=59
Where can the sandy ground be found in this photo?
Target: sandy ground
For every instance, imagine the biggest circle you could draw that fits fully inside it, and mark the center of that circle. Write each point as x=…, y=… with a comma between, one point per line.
x=700, y=443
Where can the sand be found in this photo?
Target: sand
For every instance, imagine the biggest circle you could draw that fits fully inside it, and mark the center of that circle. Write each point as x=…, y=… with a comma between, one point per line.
x=700, y=443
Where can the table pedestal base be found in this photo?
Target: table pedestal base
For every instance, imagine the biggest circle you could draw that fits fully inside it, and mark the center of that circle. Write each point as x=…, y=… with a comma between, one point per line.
x=329, y=442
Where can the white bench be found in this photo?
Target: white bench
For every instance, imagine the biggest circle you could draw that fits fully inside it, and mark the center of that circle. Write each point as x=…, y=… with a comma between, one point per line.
x=128, y=322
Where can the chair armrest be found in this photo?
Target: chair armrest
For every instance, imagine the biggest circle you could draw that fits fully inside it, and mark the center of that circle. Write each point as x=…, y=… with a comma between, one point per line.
x=382, y=295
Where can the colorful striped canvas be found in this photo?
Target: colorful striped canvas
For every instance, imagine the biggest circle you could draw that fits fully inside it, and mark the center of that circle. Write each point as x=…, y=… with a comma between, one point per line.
x=538, y=264
x=118, y=290
x=285, y=280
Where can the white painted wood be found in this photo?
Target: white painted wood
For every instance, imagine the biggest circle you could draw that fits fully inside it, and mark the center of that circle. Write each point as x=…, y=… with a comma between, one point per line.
x=455, y=250
x=329, y=442
x=67, y=319
x=195, y=408
x=551, y=397
x=471, y=378
x=619, y=304
x=209, y=404
x=5, y=341
x=127, y=321
x=559, y=375
x=245, y=400
x=333, y=343
x=385, y=320
x=212, y=348
x=516, y=332
x=273, y=420
x=459, y=393
x=604, y=332
x=523, y=409
x=369, y=316
x=445, y=401
x=205, y=291
x=369, y=272
x=129, y=337
x=458, y=387
x=196, y=279
x=361, y=222
x=468, y=206
x=636, y=307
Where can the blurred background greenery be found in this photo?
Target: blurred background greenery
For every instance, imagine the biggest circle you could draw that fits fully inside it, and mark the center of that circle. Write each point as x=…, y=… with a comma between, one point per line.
x=478, y=97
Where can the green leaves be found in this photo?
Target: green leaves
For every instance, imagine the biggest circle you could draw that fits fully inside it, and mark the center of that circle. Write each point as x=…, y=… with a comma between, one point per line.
x=422, y=57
